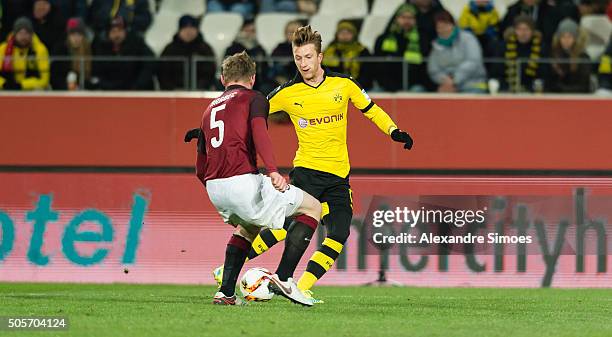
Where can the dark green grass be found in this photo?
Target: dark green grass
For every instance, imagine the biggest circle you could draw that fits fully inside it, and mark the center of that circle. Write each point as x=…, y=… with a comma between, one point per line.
x=165, y=310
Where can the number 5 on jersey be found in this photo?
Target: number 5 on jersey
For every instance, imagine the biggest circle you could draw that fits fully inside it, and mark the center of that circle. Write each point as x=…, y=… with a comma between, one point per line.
x=217, y=124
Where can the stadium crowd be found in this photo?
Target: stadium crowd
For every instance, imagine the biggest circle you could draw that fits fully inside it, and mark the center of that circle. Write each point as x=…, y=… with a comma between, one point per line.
x=538, y=46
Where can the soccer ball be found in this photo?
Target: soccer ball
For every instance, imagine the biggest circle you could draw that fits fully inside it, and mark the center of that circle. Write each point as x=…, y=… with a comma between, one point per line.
x=254, y=285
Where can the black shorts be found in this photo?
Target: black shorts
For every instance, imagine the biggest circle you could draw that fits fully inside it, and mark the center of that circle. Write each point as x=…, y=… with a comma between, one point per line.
x=335, y=195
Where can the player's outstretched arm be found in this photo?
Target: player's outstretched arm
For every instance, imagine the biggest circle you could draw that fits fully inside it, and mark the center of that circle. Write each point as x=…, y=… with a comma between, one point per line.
x=261, y=139
x=378, y=116
x=280, y=117
x=201, y=152
x=263, y=146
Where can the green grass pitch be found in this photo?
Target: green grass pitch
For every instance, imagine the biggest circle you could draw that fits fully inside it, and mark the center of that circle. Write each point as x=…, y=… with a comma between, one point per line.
x=168, y=310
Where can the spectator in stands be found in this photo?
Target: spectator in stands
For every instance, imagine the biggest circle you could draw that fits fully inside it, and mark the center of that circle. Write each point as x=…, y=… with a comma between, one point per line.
x=401, y=39
x=289, y=6
x=283, y=71
x=343, y=53
x=71, y=8
x=605, y=71
x=481, y=18
x=244, y=7
x=546, y=15
x=609, y=11
x=455, y=63
x=24, y=59
x=426, y=10
x=246, y=41
x=187, y=42
x=66, y=74
x=571, y=69
x=593, y=7
x=120, y=74
x=567, y=9
x=9, y=11
x=136, y=14
x=308, y=7
x=522, y=42
x=48, y=23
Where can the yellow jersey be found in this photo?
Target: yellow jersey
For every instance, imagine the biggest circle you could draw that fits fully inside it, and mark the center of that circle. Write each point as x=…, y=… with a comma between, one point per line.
x=31, y=66
x=319, y=116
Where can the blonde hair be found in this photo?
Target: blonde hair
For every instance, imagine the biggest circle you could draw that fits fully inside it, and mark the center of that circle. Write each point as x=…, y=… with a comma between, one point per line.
x=305, y=35
x=238, y=67
x=580, y=41
x=80, y=53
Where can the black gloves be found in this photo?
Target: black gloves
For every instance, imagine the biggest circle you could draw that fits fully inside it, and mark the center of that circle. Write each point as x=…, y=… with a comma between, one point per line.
x=402, y=137
x=191, y=134
x=199, y=135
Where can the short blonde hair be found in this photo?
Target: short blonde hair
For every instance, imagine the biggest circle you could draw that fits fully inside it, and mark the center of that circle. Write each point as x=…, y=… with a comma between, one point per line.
x=238, y=67
x=305, y=35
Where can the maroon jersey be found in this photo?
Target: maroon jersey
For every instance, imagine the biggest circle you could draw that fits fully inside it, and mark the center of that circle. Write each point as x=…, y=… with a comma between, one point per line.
x=234, y=129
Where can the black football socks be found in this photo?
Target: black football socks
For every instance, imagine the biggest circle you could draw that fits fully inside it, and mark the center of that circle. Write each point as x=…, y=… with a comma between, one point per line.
x=298, y=238
x=235, y=254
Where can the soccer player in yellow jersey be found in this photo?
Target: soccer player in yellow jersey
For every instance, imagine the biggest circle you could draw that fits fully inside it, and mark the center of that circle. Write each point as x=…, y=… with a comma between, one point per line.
x=317, y=100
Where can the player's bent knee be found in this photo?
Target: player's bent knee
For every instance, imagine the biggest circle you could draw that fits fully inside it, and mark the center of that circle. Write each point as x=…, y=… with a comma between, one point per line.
x=338, y=225
x=310, y=206
x=297, y=234
x=249, y=233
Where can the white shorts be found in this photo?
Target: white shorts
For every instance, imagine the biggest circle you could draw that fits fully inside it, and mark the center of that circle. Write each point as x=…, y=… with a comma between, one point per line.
x=250, y=199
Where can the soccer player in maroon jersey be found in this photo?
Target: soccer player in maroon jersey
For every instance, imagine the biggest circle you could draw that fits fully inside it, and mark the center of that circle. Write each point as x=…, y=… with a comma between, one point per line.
x=232, y=133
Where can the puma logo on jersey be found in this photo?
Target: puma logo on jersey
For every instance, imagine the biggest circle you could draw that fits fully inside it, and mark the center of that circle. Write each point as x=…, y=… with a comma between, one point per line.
x=301, y=105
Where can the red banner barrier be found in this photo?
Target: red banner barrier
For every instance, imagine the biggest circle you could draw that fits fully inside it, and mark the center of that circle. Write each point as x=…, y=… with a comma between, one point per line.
x=161, y=228
x=450, y=133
